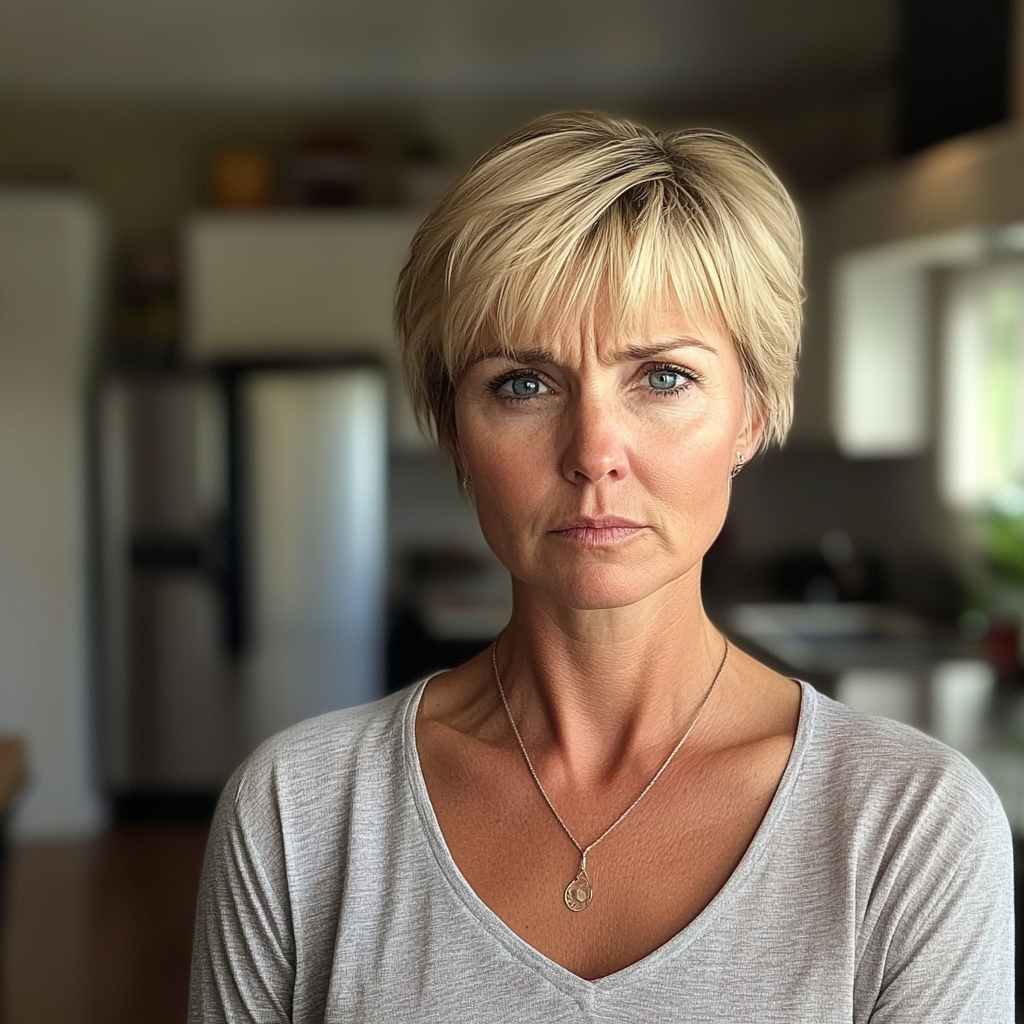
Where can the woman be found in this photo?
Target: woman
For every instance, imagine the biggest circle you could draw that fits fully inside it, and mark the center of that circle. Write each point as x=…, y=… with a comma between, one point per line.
x=612, y=814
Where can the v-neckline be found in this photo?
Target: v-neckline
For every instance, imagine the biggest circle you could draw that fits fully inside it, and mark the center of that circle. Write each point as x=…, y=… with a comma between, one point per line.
x=561, y=977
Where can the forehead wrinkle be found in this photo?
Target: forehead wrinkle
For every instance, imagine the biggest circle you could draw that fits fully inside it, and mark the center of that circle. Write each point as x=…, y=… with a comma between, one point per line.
x=669, y=345
x=520, y=355
x=607, y=355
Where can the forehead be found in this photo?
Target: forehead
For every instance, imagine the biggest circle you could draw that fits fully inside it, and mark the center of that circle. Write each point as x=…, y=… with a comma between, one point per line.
x=664, y=330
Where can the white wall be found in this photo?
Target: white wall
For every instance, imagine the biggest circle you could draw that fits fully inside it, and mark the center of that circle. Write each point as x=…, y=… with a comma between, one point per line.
x=50, y=269
x=875, y=242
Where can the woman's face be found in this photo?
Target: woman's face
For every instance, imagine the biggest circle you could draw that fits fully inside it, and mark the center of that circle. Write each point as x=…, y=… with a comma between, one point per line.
x=601, y=465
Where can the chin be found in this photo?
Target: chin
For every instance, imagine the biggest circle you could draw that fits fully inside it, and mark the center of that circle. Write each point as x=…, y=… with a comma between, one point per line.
x=598, y=587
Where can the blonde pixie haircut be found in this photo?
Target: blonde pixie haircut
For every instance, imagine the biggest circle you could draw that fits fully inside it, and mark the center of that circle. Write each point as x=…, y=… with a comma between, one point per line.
x=581, y=214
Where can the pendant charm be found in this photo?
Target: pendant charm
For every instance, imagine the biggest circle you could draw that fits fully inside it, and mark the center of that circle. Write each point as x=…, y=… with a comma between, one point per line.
x=578, y=893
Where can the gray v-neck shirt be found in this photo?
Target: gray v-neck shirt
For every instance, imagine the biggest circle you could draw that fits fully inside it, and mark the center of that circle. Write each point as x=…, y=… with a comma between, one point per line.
x=877, y=888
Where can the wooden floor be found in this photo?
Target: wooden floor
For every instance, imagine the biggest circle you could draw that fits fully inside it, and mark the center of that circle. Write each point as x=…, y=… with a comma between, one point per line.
x=101, y=931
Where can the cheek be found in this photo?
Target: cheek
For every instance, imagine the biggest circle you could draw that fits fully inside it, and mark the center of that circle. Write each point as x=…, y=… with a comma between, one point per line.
x=508, y=492
x=507, y=470
x=687, y=478
x=494, y=439
x=691, y=463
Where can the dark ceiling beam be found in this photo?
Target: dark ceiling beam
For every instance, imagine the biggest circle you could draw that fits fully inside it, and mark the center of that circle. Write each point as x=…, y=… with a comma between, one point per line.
x=954, y=69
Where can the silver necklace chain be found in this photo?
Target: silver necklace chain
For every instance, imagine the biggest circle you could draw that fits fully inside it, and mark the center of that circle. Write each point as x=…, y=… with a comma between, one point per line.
x=579, y=898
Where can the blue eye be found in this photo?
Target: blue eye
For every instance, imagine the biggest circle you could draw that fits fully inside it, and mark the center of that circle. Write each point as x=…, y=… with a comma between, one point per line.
x=524, y=387
x=663, y=380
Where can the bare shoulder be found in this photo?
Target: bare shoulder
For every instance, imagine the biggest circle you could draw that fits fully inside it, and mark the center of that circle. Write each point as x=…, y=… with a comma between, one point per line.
x=456, y=698
x=456, y=722
x=761, y=701
x=751, y=737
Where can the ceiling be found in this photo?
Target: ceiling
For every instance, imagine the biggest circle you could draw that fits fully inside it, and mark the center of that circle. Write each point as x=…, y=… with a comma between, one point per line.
x=326, y=51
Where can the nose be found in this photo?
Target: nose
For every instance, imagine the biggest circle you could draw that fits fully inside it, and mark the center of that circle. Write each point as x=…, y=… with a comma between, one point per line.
x=595, y=446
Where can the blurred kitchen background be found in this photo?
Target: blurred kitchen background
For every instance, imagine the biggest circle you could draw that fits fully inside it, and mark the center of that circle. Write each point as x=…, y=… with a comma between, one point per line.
x=217, y=514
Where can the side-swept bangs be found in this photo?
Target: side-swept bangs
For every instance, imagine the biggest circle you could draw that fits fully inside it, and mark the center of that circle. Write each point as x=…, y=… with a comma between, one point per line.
x=581, y=215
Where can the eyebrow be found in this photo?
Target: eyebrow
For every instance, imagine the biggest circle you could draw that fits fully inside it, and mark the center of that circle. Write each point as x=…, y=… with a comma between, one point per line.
x=632, y=352
x=647, y=351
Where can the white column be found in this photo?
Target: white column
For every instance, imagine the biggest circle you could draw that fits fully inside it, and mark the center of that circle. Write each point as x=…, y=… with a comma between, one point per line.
x=51, y=247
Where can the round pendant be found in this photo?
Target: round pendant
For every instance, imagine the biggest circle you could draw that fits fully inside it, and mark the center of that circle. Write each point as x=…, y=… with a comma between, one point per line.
x=578, y=893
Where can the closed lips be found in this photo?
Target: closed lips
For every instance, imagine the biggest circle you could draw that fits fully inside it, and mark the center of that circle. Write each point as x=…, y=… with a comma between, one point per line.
x=598, y=532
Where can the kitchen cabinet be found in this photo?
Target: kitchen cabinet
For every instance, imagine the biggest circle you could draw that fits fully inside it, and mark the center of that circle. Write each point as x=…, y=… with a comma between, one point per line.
x=299, y=286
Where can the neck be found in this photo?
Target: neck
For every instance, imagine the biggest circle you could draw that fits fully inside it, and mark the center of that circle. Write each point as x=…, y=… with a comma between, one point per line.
x=606, y=684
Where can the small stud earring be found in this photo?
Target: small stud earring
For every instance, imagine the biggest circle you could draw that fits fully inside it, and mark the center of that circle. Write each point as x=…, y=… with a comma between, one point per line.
x=740, y=460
